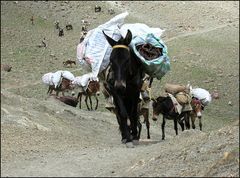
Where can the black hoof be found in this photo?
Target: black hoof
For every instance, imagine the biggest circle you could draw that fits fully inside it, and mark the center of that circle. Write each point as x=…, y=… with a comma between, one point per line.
x=124, y=141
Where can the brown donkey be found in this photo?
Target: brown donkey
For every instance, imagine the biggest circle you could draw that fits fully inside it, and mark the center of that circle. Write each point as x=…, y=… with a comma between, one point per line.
x=64, y=85
x=196, y=112
x=93, y=89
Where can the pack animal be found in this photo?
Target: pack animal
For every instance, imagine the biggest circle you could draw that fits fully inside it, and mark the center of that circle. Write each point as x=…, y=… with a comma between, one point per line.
x=124, y=86
x=69, y=27
x=145, y=113
x=164, y=105
x=93, y=89
x=63, y=86
x=196, y=112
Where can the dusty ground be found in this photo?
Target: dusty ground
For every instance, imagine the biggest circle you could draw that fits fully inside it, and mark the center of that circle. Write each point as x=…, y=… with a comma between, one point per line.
x=43, y=137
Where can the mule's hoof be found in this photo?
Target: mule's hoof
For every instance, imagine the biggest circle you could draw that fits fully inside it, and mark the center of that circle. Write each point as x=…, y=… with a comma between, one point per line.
x=124, y=141
x=129, y=145
x=135, y=142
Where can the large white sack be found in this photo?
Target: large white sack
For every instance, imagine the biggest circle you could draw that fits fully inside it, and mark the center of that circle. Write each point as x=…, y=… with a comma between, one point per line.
x=140, y=29
x=81, y=48
x=202, y=95
x=68, y=75
x=95, y=49
x=82, y=81
x=47, y=78
x=56, y=78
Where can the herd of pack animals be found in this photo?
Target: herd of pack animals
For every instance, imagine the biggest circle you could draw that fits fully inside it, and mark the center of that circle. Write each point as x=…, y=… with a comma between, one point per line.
x=127, y=109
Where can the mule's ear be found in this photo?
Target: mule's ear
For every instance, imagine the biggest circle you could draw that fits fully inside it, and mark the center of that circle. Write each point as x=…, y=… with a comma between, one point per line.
x=128, y=38
x=110, y=40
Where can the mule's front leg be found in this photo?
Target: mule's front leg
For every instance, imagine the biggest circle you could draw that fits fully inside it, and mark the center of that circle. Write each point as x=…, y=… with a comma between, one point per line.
x=96, y=102
x=175, y=126
x=139, y=129
x=79, y=98
x=163, y=128
x=122, y=115
x=147, y=124
x=200, y=123
x=193, y=121
x=187, y=120
x=86, y=98
x=90, y=99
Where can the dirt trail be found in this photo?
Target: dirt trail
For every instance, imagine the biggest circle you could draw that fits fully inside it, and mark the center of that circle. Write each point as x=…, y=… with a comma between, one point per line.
x=205, y=30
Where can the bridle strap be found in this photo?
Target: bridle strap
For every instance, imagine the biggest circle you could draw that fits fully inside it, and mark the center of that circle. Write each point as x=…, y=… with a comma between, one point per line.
x=121, y=46
x=89, y=89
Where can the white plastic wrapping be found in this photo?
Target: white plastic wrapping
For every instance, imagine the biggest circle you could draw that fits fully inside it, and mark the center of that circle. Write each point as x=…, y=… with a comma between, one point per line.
x=68, y=75
x=47, y=78
x=95, y=49
x=83, y=80
x=55, y=78
x=202, y=95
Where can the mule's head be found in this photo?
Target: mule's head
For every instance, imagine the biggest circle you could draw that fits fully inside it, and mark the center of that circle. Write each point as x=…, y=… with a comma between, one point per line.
x=120, y=60
x=94, y=87
x=67, y=84
x=160, y=105
x=197, y=107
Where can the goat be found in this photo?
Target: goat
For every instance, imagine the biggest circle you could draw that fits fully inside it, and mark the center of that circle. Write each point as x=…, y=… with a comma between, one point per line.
x=57, y=25
x=84, y=28
x=111, y=11
x=6, y=67
x=69, y=62
x=85, y=22
x=83, y=35
x=93, y=89
x=97, y=8
x=32, y=20
x=60, y=33
x=69, y=27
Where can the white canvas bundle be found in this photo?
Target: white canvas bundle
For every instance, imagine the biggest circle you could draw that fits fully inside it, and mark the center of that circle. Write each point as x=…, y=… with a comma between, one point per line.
x=95, y=49
x=68, y=75
x=202, y=95
x=56, y=78
x=47, y=78
x=82, y=81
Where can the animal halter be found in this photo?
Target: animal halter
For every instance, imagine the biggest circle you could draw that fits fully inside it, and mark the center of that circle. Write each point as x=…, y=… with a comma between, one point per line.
x=121, y=46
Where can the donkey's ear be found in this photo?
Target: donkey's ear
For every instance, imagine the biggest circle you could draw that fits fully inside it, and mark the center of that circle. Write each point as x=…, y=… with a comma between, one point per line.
x=110, y=40
x=128, y=38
